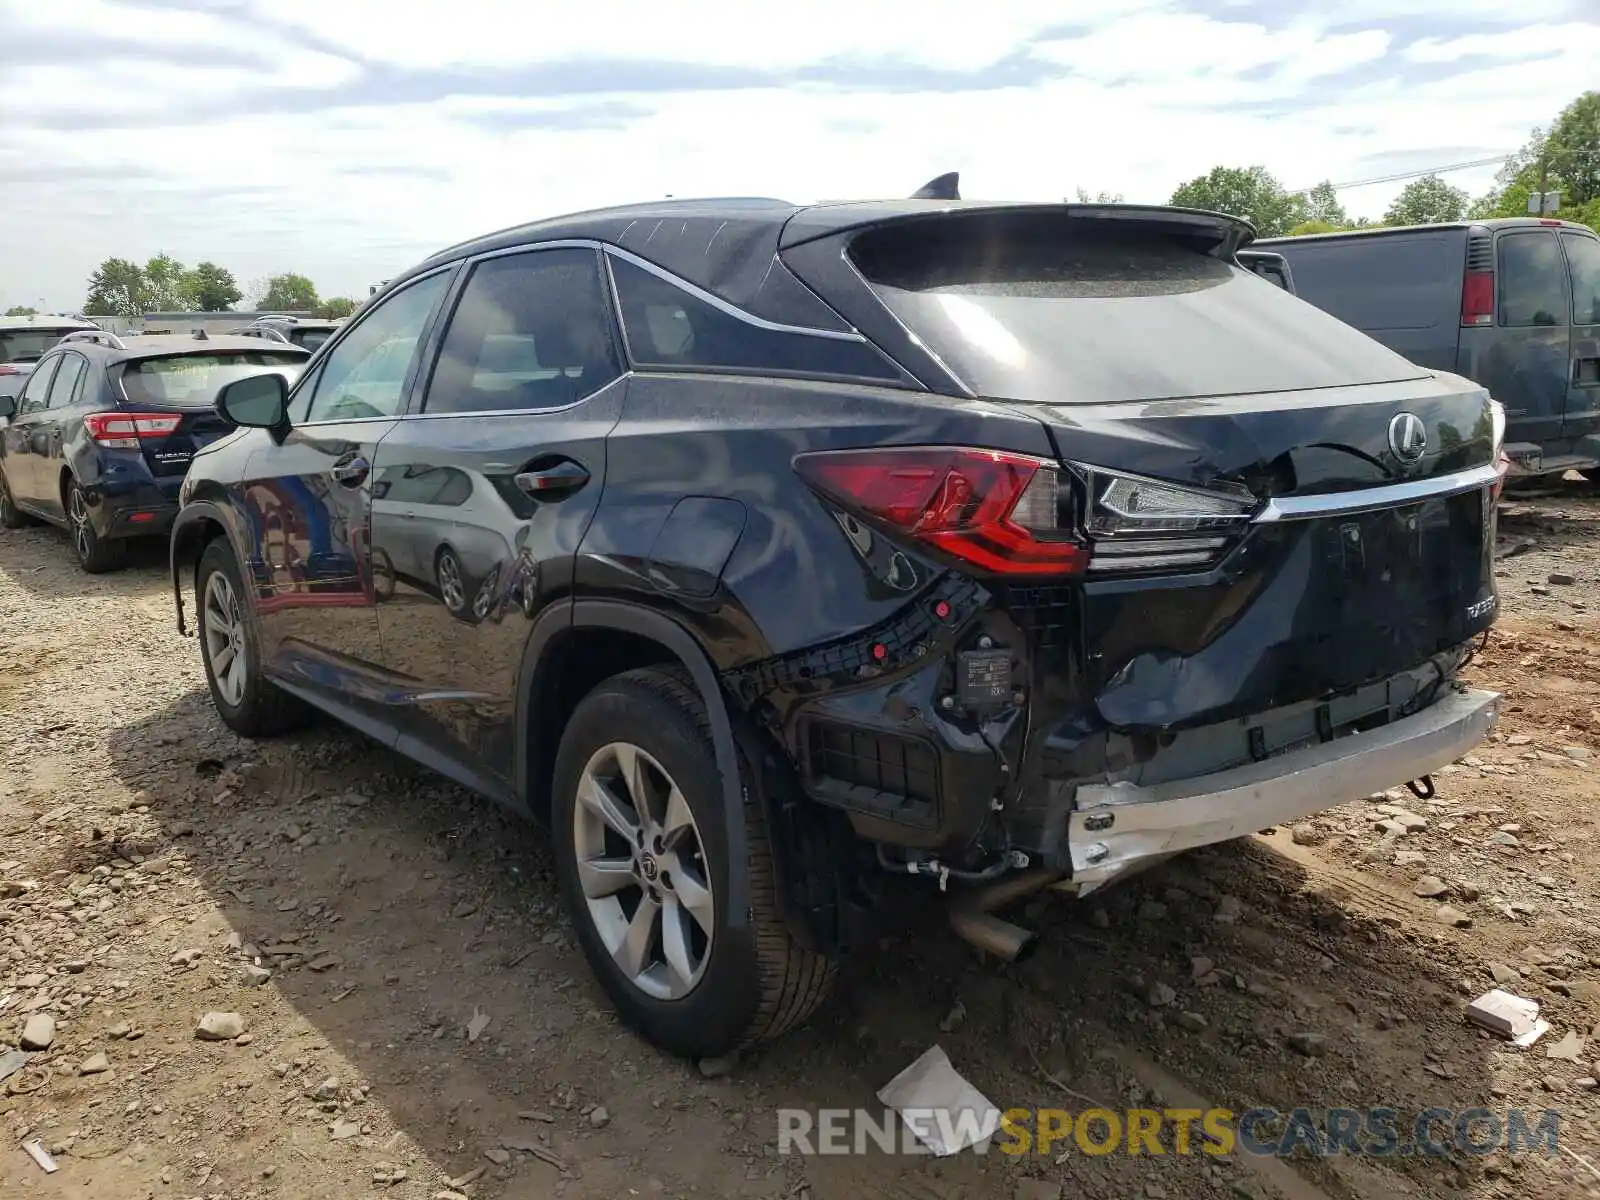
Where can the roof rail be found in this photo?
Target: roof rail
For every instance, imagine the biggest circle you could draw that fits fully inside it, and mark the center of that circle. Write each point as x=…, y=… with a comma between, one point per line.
x=270, y=334
x=96, y=335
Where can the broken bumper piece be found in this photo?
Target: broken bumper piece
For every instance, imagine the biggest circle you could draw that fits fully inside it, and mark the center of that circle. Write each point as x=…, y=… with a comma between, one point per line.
x=1116, y=829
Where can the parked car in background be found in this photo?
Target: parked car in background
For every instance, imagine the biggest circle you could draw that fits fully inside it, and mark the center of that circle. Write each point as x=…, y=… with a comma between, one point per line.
x=99, y=438
x=1003, y=546
x=304, y=332
x=25, y=340
x=1513, y=304
x=1272, y=267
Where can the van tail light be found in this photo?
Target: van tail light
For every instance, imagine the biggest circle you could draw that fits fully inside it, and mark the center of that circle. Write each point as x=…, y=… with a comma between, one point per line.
x=1012, y=515
x=991, y=510
x=129, y=430
x=1477, y=298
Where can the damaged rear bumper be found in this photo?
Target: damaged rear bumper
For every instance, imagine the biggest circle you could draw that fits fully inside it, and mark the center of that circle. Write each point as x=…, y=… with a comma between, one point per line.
x=1116, y=829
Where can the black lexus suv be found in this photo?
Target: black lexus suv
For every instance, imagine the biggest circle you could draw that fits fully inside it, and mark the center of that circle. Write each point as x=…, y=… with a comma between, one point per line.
x=764, y=550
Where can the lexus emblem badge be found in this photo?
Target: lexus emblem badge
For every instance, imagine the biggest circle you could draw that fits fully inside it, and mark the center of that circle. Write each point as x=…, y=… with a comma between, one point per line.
x=1408, y=437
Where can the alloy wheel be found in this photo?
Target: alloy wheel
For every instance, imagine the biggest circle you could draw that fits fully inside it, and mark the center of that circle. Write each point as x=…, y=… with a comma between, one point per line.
x=78, y=518
x=642, y=867
x=451, y=587
x=223, y=623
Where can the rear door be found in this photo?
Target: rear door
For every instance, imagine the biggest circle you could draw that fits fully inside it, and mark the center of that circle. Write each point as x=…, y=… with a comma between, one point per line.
x=309, y=503
x=490, y=488
x=53, y=432
x=1583, y=392
x=1526, y=363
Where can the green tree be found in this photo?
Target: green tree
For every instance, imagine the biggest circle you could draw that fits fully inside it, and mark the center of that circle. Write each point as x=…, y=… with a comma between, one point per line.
x=1306, y=227
x=117, y=288
x=1427, y=201
x=20, y=310
x=1249, y=192
x=1322, y=207
x=336, y=308
x=1572, y=151
x=167, y=285
x=213, y=288
x=289, y=293
x=1084, y=197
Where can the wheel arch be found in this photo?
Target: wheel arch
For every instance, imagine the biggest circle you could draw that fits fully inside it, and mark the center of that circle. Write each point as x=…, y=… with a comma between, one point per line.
x=199, y=524
x=636, y=636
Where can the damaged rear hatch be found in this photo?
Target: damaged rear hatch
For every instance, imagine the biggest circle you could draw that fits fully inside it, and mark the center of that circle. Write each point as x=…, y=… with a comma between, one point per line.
x=1276, y=509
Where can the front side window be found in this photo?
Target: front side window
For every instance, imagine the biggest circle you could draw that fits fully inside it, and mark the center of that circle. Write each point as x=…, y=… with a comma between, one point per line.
x=65, y=384
x=38, y=386
x=365, y=375
x=673, y=329
x=531, y=331
x=1583, y=262
x=1532, y=280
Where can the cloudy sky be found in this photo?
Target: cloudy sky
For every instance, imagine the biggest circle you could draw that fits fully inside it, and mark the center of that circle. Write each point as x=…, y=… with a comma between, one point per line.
x=345, y=139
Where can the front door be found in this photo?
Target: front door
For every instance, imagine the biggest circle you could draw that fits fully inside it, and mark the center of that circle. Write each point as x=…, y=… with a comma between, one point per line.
x=27, y=437
x=1525, y=367
x=488, y=490
x=309, y=502
x=1583, y=391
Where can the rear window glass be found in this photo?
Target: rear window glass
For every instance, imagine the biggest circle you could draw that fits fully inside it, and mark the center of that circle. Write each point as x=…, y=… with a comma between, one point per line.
x=1532, y=280
x=29, y=345
x=193, y=380
x=1383, y=282
x=1583, y=261
x=1033, y=310
x=310, y=338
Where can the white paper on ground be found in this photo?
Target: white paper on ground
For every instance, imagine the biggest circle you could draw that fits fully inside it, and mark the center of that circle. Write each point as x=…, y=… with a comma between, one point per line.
x=945, y=1112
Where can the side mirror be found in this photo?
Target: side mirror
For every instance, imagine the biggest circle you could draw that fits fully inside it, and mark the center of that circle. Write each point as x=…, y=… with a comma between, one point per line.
x=256, y=402
x=8, y=407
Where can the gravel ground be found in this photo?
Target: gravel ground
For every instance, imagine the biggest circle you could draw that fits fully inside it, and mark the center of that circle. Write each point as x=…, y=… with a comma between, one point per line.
x=400, y=1008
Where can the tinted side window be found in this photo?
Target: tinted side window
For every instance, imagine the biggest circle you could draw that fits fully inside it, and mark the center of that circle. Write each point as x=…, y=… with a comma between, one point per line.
x=530, y=331
x=66, y=381
x=671, y=328
x=1583, y=261
x=365, y=375
x=38, y=386
x=1532, y=280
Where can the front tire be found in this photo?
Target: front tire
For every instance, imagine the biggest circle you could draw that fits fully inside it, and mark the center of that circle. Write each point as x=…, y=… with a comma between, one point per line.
x=230, y=648
x=642, y=857
x=94, y=554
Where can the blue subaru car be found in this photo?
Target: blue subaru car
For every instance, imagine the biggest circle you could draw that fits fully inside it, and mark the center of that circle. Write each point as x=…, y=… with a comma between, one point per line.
x=99, y=439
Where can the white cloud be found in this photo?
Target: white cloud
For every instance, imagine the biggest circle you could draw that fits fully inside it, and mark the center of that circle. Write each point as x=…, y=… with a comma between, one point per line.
x=1144, y=96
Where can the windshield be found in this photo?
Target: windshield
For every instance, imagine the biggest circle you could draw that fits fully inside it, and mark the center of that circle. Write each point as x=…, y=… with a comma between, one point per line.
x=28, y=345
x=193, y=380
x=310, y=338
x=1048, y=312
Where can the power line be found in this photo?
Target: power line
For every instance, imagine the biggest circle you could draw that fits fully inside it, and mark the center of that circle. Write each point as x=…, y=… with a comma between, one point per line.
x=1402, y=175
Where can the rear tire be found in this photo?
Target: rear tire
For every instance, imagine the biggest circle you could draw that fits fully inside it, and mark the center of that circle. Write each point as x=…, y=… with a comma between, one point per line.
x=11, y=517
x=723, y=988
x=230, y=648
x=95, y=555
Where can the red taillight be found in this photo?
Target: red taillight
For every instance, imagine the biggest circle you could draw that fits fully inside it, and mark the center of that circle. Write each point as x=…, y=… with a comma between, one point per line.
x=125, y=430
x=1477, y=298
x=1502, y=465
x=992, y=510
x=8, y=369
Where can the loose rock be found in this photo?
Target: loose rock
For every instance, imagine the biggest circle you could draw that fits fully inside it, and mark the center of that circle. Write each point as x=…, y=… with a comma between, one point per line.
x=219, y=1027
x=39, y=1032
x=1453, y=916
x=1430, y=887
x=600, y=1116
x=1307, y=834
x=1312, y=1045
x=95, y=1064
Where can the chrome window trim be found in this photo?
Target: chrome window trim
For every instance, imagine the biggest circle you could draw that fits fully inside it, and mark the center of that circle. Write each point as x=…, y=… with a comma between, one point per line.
x=1301, y=508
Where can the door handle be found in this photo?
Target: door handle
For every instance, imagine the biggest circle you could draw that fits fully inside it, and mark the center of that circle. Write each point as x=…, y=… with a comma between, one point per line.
x=351, y=471
x=556, y=479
